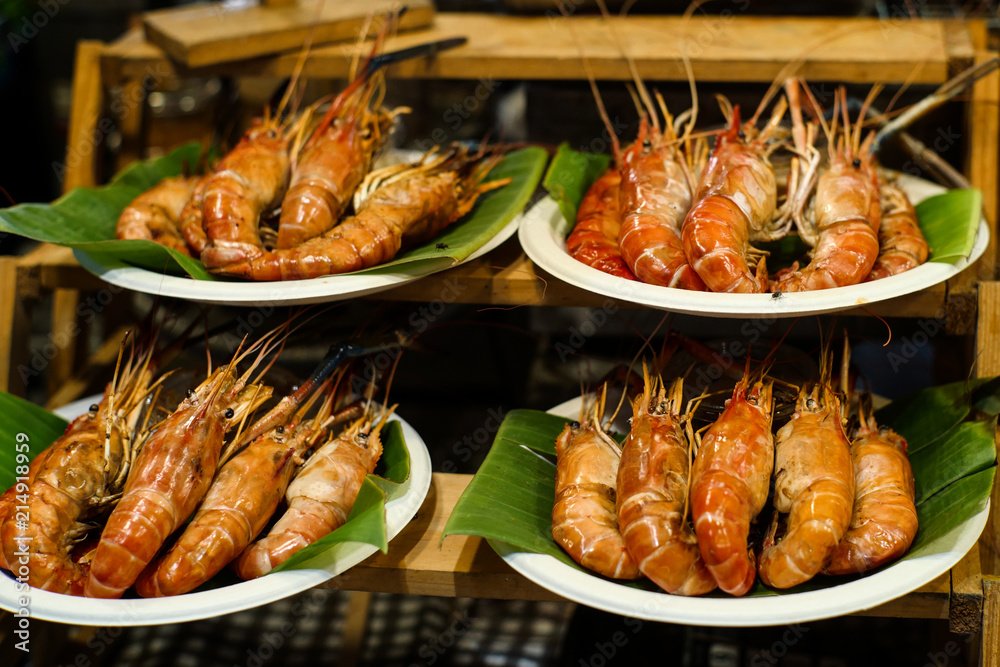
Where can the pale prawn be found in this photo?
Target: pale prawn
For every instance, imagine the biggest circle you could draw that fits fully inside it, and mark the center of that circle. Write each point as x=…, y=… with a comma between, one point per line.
x=813, y=486
x=155, y=214
x=594, y=239
x=884, y=521
x=79, y=476
x=902, y=245
x=172, y=473
x=321, y=495
x=847, y=213
x=652, y=486
x=730, y=480
x=395, y=206
x=735, y=203
x=584, y=521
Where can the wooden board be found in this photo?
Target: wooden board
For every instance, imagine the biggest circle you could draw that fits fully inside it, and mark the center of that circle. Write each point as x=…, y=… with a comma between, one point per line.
x=211, y=33
x=733, y=48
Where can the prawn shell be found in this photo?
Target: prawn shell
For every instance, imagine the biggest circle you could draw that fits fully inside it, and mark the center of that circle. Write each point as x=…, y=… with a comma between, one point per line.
x=730, y=480
x=594, y=239
x=155, y=215
x=584, y=521
x=241, y=500
x=884, y=520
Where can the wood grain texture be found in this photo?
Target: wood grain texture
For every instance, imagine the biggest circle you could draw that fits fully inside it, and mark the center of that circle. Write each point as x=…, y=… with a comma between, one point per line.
x=83, y=141
x=990, y=653
x=988, y=365
x=212, y=33
x=733, y=48
x=966, y=611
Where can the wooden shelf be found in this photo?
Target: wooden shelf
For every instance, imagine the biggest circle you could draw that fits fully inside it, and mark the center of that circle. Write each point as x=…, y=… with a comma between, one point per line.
x=856, y=50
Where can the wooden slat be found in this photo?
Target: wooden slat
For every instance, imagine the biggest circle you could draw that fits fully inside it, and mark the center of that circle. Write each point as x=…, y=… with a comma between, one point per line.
x=966, y=608
x=214, y=32
x=15, y=328
x=991, y=623
x=988, y=364
x=981, y=159
x=83, y=141
x=733, y=48
x=420, y=563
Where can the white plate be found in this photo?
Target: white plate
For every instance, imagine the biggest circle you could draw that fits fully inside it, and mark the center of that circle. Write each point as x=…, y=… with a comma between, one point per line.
x=853, y=596
x=543, y=235
x=48, y=606
x=276, y=293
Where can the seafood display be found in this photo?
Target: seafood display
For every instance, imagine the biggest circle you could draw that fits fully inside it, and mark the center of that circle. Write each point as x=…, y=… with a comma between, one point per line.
x=692, y=504
x=297, y=198
x=110, y=500
x=686, y=223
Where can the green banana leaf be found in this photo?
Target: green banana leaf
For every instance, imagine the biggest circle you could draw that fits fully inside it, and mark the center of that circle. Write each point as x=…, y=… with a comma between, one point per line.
x=85, y=218
x=510, y=498
x=949, y=221
x=365, y=524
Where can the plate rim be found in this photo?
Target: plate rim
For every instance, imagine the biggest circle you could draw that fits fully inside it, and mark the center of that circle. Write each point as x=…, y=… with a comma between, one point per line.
x=323, y=289
x=542, y=236
x=791, y=608
x=57, y=607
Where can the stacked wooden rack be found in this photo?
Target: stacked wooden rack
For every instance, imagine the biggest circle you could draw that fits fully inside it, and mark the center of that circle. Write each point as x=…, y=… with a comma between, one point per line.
x=728, y=49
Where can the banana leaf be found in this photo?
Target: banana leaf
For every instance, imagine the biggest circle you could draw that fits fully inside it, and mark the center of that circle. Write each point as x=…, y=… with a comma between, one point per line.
x=85, y=218
x=510, y=498
x=365, y=524
x=949, y=221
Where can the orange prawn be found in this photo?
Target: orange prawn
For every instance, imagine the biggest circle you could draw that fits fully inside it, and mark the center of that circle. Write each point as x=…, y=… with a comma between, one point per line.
x=155, y=214
x=730, y=480
x=884, y=521
x=584, y=521
x=844, y=231
x=594, y=239
x=655, y=196
x=191, y=217
x=78, y=477
x=652, y=487
x=243, y=496
x=902, y=245
x=171, y=475
x=395, y=206
x=321, y=495
x=735, y=203
x=813, y=485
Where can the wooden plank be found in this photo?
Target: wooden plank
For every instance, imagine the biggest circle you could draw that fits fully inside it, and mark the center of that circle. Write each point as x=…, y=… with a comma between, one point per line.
x=965, y=614
x=991, y=623
x=733, y=48
x=981, y=158
x=420, y=563
x=988, y=364
x=15, y=327
x=217, y=32
x=83, y=140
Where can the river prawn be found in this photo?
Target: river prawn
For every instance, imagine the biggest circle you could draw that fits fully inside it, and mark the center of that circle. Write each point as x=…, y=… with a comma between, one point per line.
x=813, y=486
x=78, y=477
x=594, y=239
x=584, y=520
x=655, y=195
x=155, y=214
x=843, y=231
x=172, y=473
x=321, y=495
x=884, y=519
x=395, y=206
x=243, y=496
x=191, y=217
x=730, y=480
x=735, y=203
x=652, y=487
x=902, y=245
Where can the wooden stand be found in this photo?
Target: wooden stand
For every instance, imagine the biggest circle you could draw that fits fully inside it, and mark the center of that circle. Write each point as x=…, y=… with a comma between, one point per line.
x=731, y=49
